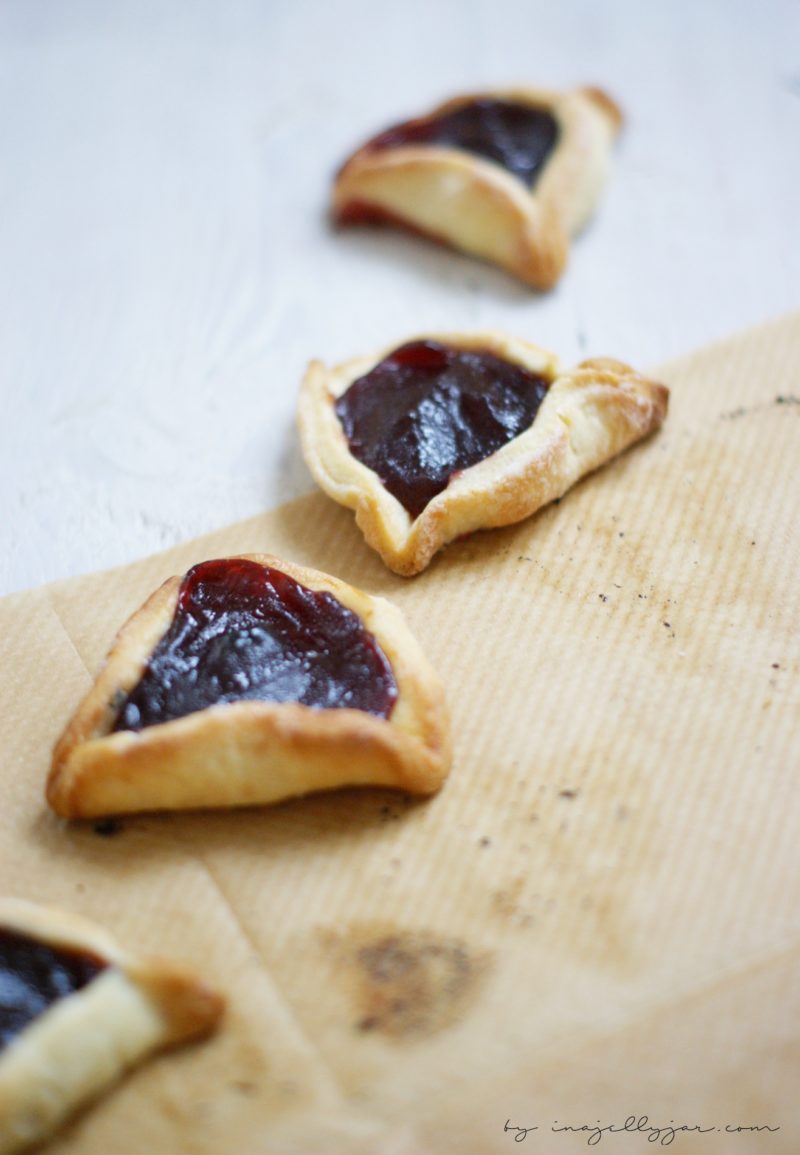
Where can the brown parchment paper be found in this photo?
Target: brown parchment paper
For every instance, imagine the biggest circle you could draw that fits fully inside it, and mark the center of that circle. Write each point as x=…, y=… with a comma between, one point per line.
x=598, y=917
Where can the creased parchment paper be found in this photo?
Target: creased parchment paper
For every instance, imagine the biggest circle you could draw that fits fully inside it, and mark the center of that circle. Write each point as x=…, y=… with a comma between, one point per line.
x=598, y=917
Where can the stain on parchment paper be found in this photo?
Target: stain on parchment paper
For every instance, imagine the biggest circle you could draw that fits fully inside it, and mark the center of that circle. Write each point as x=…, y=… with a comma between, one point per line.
x=509, y=904
x=407, y=984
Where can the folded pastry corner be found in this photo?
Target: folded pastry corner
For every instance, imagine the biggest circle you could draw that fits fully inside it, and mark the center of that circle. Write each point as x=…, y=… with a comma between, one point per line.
x=450, y=433
x=506, y=175
x=76, y=1012
x=247, y=681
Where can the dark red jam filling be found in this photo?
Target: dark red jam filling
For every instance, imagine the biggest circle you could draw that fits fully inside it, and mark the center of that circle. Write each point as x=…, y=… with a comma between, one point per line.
x=33, y=975
x=429, y=410
x=243, y=630
x=516, y=136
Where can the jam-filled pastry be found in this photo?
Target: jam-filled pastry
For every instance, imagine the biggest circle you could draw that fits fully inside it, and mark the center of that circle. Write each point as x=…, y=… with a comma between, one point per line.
x=76, y=1012
x=508, y=176
x=247, y=681
x=447, y=434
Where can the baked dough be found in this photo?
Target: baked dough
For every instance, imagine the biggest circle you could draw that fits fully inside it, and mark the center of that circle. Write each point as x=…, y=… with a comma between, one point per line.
x=476, y=205
x=82, y=1043
x=589, y=414
x=249, y=752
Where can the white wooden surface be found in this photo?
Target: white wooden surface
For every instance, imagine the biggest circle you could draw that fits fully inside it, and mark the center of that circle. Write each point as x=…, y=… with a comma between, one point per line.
x=166, y=268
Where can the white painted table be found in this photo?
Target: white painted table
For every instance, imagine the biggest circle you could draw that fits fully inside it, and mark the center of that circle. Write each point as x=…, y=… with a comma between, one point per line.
x=166, y=268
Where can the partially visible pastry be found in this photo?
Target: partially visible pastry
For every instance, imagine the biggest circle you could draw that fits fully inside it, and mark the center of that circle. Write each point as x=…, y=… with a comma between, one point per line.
x=507, y=175
x=247, y=681
x=449, y=433
x=76, y=1012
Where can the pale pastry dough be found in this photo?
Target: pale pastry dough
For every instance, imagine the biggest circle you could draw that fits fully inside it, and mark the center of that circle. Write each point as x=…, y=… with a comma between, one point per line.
x=82, y=1043
x=589, y=414
x=249, y=752
x=474, y=204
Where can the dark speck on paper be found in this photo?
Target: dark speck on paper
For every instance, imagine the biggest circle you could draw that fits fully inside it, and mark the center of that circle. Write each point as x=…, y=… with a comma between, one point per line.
x=108, y=827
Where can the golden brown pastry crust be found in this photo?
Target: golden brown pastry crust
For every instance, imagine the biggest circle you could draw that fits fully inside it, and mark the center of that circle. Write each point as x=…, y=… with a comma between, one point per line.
x=474, y=204
x=249, y=752
x=84, y=1042
x=589, y=415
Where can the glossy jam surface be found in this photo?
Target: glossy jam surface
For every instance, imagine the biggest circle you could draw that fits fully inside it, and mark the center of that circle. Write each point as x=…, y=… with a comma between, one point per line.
x=245, y=631
x=33, y=975
x=516, y=136
x=429, y=410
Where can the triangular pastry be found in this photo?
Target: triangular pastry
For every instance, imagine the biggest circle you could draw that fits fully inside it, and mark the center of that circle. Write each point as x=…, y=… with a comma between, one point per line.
x=450, y=433
x=507, y=175
x=76, y=1012
x=247, y=681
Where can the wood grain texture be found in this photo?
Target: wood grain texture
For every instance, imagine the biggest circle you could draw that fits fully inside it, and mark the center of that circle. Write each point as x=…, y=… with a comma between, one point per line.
x=166, y=268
